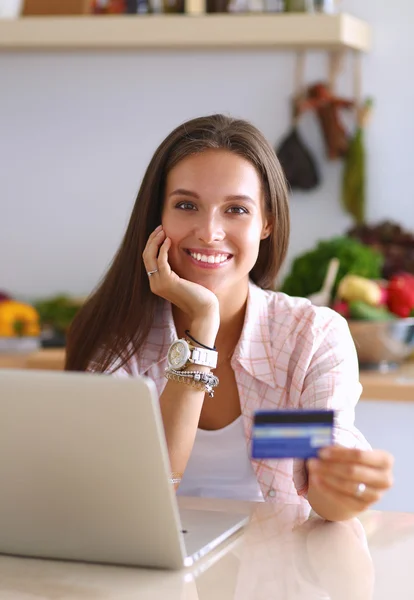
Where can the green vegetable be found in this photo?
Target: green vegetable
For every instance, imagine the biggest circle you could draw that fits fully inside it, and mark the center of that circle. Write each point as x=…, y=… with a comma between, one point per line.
x=353, y=182
x=309, y=269
x=57, y=312
x=362, y=311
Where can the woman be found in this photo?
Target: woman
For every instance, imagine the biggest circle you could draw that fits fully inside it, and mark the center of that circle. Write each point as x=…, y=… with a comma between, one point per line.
x=206, y=239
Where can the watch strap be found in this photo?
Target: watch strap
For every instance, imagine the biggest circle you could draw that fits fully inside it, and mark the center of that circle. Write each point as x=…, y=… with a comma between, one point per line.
x=203, y=357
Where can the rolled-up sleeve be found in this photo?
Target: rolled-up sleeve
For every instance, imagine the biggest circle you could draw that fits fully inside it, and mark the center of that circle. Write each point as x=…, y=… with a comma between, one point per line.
x=332, y=383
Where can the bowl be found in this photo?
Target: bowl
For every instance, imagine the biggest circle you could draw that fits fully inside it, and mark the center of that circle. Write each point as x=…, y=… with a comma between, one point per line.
x=383, y=345
x=19, y=344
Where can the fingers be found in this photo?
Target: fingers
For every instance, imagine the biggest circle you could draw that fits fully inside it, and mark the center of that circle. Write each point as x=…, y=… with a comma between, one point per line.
x=378, y=478
x=342, y=499
x=155, y=257
x=326, y=477
x=379, y=459
x=339, y=472
x=163, y=265
x=150, y=253
x=348, y=488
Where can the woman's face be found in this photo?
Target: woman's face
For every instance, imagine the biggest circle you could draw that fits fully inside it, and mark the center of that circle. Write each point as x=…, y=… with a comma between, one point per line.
x=214, y=215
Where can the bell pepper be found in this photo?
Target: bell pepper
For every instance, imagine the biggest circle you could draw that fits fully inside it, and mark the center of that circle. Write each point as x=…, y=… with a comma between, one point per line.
x=18, y=319
x=342, y=308
x=401, y=294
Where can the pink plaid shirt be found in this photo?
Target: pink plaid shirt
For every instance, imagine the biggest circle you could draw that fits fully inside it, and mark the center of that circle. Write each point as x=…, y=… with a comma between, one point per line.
x=290, y=355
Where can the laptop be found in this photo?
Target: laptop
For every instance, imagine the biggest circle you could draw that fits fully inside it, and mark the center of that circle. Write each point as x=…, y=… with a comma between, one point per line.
x=84, y=474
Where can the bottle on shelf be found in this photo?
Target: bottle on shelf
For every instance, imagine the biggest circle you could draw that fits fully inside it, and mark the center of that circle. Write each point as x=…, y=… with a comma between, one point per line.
x=195, y=7
x=137, y=7
x=296, y=5
x=173, y=6
x=108, y=7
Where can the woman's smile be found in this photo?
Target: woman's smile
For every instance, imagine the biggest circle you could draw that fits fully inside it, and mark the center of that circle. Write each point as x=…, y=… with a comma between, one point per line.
x=208, y=259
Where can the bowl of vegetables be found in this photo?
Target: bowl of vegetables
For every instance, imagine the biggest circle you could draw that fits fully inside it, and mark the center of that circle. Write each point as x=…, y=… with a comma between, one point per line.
x=379, y=307
x=383, y=345
x=380, y=315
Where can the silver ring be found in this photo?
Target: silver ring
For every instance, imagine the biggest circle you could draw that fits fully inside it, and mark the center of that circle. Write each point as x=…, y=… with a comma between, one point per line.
x=360, y=489
x=149, y=273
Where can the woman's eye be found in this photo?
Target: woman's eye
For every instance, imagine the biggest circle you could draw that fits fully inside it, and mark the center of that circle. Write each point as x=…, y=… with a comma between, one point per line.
x=186, y=206
x=237, y=210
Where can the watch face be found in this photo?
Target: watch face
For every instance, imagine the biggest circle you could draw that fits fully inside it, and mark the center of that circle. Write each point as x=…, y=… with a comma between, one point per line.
x=178, y=354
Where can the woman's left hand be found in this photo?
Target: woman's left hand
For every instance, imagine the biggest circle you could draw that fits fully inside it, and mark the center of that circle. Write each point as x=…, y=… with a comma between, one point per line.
x=350, y=478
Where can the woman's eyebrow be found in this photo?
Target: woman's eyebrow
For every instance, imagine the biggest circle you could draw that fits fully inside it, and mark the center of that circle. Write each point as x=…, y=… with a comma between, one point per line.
x=240, y=198
x=232, y=197
x=182, y=192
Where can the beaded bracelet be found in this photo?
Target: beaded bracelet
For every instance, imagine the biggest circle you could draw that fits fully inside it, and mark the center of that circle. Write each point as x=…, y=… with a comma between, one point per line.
x=175, y=478
x=197, y=379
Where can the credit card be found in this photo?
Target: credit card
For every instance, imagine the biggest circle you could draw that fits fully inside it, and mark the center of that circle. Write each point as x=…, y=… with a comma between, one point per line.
x=291, y=433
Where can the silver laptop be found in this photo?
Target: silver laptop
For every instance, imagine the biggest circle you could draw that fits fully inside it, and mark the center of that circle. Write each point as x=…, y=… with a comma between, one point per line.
x=84, y=474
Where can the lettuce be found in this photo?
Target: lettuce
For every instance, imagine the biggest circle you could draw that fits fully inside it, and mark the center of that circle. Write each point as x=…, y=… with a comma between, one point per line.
x=309, y=269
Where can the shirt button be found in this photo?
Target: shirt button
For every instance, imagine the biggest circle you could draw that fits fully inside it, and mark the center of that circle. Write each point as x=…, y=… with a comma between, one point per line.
x=271, y=493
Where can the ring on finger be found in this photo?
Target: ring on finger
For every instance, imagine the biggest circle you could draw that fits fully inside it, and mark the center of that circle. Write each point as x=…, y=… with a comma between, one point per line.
x=361, y=487
x=149, y=273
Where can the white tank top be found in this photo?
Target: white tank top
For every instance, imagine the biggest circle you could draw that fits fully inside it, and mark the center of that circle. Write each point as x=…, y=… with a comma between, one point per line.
x=219, y=466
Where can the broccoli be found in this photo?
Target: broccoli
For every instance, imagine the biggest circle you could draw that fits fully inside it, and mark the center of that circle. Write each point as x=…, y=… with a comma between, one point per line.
x=309, y=269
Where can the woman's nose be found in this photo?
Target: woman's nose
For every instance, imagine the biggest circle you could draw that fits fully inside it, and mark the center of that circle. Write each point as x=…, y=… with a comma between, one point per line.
x=210, y=230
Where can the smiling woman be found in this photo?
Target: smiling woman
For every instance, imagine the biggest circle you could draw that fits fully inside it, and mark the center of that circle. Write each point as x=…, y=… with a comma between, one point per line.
x=188, y=294
x=215, y=223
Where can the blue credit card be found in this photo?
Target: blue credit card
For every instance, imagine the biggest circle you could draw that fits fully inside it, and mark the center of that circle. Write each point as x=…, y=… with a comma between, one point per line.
x=291, y=433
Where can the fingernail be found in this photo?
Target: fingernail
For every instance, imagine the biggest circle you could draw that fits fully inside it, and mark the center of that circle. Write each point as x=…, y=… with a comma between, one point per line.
x=158, y=228
x=324, y=453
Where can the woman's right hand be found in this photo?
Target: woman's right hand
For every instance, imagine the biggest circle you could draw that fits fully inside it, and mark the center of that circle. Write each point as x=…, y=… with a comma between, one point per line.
x=193, y=299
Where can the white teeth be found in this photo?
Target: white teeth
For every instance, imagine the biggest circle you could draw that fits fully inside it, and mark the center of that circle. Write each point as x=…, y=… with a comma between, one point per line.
x=211, y=259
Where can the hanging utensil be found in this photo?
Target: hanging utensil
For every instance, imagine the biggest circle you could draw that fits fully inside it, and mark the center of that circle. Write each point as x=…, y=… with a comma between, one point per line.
x=299, y=165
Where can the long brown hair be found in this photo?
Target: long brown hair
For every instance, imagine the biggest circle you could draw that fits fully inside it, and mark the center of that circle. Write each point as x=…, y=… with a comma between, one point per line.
x=115, y=321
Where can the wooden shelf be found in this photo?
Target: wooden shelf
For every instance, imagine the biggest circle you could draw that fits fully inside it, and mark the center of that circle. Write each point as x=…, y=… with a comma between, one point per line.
x=395, y=385
x=333, y=32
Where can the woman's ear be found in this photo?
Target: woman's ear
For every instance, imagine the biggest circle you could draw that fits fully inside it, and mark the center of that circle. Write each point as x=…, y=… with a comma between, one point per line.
x=266, y=230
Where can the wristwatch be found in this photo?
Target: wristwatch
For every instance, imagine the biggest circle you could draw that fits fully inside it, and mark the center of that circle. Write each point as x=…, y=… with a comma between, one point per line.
x=182, y=352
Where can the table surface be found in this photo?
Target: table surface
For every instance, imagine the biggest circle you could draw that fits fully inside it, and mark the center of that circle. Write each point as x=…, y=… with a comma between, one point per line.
x=395, y=385
x=283, y=554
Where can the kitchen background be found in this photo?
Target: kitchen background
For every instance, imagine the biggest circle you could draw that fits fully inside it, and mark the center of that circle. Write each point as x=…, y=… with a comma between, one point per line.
x=78, y=129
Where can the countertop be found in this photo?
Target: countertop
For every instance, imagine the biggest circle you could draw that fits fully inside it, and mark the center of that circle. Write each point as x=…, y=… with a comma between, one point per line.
x=282, y=554
x=396, y=385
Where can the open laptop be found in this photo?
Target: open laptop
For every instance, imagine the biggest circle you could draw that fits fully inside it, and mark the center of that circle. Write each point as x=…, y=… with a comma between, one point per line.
x=84, y=474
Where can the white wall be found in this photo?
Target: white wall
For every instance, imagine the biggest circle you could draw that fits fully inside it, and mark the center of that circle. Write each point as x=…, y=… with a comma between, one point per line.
x=388, y=425
x=77, y=130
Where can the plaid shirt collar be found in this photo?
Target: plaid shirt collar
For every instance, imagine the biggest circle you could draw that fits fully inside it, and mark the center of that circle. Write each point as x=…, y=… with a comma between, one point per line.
x=256, y=331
